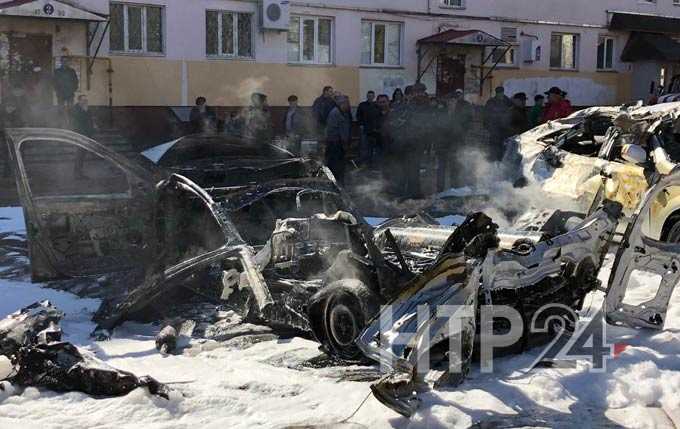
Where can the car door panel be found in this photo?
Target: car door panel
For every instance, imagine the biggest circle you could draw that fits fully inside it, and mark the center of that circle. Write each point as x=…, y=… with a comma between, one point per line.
x=87, y=209
x=642, y=257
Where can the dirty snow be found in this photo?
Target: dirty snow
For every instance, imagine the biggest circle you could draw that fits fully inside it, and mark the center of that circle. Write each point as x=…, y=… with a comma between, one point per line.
x=263, y=386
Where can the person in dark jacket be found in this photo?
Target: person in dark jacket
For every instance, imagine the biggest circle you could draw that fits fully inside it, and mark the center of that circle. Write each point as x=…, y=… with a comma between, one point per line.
x=202, y=118
x=448, y=152
x=368, y=117
x=497, y=123
x=293, y=123
x=413, y=125
x=257, y=121
x=536, y=112
x=519, y=120
x=65, y=83
x=322, y=108
x=338, y=135
x=82, y=123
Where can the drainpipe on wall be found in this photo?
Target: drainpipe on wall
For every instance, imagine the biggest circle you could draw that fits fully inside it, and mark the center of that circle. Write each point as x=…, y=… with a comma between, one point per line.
x=109, y=72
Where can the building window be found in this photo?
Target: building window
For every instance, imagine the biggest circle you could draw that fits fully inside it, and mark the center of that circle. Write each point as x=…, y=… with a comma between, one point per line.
x=605, y=53
x=458, y=4
x=310, y=40
x=136, y=28
x=228, y=34
x=380, y=43
x=564, y=51
x=501, y=57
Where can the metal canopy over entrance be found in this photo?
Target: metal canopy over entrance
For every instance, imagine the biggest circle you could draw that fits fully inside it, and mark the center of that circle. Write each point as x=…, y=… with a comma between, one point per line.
x=643, y=22
x=49, y=9
x=66, y=10
x=437, y=47
x=651, y=47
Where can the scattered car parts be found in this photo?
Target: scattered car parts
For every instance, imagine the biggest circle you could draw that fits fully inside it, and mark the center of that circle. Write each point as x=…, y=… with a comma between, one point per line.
x=31, y=339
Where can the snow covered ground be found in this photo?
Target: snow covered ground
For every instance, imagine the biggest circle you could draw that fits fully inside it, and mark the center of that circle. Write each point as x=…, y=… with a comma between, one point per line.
x=264, y=385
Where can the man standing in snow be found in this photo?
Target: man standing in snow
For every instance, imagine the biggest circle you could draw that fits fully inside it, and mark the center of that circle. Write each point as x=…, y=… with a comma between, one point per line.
x=322, y=108
x=497, y=122
x=448, y=155
x=368, y=117
x=338, y=135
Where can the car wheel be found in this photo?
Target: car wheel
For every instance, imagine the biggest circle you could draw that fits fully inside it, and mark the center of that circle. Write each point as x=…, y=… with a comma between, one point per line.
x=350, y=304
x=673, y=234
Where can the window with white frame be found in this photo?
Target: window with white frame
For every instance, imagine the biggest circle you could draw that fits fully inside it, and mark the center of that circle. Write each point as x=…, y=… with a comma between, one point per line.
x=136, y=28
x=605, y=53
x=453, y=3
x=381, y=43
x=564, y=51
x=310, y=40
x=228, y=34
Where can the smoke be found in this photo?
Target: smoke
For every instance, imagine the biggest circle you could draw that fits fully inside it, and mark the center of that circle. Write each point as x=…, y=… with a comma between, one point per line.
x=505, y=198
x=240, y=94
x=478, y=184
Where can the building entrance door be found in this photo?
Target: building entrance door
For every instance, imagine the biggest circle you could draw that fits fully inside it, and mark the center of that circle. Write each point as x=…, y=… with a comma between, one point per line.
x=450, y=75
x=29, y=68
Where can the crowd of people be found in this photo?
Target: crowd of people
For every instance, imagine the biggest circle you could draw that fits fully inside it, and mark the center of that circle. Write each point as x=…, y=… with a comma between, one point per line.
x=394, y=132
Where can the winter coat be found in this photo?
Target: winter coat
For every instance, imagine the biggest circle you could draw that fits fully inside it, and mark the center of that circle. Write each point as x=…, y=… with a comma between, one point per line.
x=558, y=110
x=368, y=116
x=497, y=115
x=82, y=121
x=339, y=126
x=322, y=107
x=65, y=81
x=536, y=116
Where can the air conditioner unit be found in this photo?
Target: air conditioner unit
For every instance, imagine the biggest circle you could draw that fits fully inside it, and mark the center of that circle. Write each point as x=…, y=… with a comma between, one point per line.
x=275, y=15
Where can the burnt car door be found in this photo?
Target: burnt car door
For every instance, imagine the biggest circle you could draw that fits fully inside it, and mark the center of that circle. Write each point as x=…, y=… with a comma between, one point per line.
x=88, y=210
x=641, y=260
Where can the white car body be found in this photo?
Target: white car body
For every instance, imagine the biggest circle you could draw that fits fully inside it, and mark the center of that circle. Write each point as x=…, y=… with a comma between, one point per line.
x=546, y=161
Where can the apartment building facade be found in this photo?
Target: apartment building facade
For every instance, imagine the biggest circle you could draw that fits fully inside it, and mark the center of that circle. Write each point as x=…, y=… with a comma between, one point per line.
x=168, y=52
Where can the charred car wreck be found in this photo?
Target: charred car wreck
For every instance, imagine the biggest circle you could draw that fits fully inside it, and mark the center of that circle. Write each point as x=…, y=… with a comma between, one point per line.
x=274, y=237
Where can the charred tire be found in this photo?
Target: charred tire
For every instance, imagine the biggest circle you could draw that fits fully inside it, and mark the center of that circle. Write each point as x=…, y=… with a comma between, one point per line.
x=339, y=313
x=671, y=230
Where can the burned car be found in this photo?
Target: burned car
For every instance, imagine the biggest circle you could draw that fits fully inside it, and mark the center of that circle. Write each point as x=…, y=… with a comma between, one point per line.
x=249, y=226
x=537, y=275
x=604, y=153
x=274, y=238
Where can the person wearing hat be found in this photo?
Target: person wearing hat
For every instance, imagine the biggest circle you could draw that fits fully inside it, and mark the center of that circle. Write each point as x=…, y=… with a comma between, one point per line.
x=519, y=120
x=497, y=122
x=558, y=106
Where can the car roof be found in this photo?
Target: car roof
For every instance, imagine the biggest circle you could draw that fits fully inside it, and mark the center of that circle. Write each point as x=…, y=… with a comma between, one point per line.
x=221, y=145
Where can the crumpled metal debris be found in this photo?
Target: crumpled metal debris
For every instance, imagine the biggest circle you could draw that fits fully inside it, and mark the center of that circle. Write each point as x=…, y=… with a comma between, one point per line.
x=23, y=327
x=31, y=339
